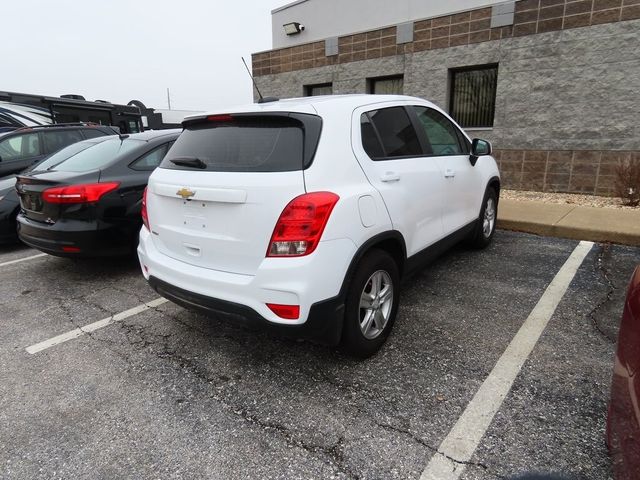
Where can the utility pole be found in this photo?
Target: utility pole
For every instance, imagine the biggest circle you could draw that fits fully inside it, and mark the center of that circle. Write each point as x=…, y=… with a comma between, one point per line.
x=168, y=99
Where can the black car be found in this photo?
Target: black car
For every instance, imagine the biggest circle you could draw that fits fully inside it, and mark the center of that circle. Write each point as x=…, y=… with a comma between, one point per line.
x=89, y=205
x=9, y=206
x=24, y=147
x=9, y=202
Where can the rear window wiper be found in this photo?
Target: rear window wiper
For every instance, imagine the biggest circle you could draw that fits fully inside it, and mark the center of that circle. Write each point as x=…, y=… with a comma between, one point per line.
x=192, y=162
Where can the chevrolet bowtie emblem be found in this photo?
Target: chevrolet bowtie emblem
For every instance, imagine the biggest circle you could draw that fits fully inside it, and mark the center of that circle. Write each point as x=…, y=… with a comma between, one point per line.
x=185, y=193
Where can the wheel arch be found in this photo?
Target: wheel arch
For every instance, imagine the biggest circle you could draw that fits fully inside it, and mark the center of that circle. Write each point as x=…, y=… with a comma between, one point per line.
x=391, y=242
x=494, y=182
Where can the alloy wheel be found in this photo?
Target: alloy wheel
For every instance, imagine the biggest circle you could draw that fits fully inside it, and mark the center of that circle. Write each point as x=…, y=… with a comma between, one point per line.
x=376, y=302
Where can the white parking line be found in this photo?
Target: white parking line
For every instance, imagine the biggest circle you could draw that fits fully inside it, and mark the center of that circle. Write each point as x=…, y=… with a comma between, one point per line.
x=92, y=327
x=468, y=431
x=23, y=259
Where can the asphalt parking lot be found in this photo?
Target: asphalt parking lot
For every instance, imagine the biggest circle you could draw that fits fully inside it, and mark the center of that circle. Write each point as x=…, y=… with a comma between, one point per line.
x=166, y=393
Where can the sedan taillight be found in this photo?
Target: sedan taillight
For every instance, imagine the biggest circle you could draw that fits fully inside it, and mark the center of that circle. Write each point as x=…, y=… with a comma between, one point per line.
x=87, y=193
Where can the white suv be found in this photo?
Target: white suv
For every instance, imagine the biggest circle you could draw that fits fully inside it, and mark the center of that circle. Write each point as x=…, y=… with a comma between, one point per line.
x=304, y=214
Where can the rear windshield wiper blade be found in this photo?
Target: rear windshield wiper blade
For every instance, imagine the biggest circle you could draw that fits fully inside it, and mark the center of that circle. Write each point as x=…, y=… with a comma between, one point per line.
x=192, y=162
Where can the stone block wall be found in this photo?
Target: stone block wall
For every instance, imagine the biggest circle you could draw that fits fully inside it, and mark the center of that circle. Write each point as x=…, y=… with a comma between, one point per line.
x=568, y=93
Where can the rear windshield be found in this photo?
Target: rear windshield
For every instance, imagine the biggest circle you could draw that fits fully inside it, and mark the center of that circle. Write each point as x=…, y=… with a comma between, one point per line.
x=97, y=156
x=61, y=156
x=247, y=144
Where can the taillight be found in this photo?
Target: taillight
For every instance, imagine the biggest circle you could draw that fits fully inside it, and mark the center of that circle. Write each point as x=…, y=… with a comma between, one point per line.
x=287, y=312
x=301, y=224
x=145, y=216
x=88, y=193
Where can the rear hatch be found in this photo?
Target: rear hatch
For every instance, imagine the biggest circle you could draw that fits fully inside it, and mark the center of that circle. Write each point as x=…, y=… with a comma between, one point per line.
x=219, y=192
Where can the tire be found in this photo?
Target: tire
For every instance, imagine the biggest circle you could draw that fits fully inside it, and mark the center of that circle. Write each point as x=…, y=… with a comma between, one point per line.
x=486, y=223
x=366, y=329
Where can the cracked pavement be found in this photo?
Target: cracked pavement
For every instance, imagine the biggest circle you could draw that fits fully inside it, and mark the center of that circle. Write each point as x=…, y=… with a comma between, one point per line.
x=172, y=394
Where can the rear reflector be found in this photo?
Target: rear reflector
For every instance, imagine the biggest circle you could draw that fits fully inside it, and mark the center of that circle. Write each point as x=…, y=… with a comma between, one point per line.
x=87, y=193
x=301, y=224
x=287, y=312
x=71, y=249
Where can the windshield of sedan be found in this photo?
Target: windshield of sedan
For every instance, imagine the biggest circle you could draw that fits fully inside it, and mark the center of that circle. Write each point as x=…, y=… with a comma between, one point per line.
x=96, y=156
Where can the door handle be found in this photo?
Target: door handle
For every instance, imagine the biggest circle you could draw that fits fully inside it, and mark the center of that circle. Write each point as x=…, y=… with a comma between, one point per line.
x=390, y=177
x=449, y=173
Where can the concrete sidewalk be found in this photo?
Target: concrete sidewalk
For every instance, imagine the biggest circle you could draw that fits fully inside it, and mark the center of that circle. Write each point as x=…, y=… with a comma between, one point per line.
x=571, y=221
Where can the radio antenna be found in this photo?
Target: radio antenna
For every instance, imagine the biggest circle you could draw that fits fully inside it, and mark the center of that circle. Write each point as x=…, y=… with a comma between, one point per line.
x=253, y=80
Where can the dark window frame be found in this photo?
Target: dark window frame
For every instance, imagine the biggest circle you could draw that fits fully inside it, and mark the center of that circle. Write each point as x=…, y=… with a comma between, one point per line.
x=371, y=82
x=422, y=136
x=452, y=91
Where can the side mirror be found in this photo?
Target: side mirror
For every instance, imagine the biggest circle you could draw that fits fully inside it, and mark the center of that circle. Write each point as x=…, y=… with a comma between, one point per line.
x=479, y=148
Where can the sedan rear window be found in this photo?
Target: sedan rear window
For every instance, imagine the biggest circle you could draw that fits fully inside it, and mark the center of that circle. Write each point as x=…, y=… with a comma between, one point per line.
x=61, y=156
x=98, y=156
x=246, y=144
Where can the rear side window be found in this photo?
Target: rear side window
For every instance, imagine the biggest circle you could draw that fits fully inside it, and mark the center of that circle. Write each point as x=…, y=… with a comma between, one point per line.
x=58, y=139
x=99, y=155
x=150, y=161
x=389, y=133
x=250, y=143
x=93, y=133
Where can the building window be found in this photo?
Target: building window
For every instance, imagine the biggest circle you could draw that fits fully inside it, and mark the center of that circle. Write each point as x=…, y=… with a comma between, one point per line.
x=386, y=85
x=320, y=89
x=473, y=96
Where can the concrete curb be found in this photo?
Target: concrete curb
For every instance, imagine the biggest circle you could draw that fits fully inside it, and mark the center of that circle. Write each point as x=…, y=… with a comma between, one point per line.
x=569, y=221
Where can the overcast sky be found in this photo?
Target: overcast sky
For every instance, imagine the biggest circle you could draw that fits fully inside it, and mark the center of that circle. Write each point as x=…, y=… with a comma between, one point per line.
x=121, y=50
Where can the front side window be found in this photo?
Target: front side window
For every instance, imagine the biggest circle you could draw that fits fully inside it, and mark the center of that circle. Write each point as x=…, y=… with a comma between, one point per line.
x=441, y=134
x=19, y=147
x=473, y=96
x=389, y=133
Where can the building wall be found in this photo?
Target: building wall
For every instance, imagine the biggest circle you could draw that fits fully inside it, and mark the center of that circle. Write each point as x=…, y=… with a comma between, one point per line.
x=321, y=20
x=567, y=102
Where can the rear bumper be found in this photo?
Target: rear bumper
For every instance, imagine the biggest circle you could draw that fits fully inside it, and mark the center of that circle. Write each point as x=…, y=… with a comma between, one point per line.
x=86, y=239
x=323, y=325
x=313, y=282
